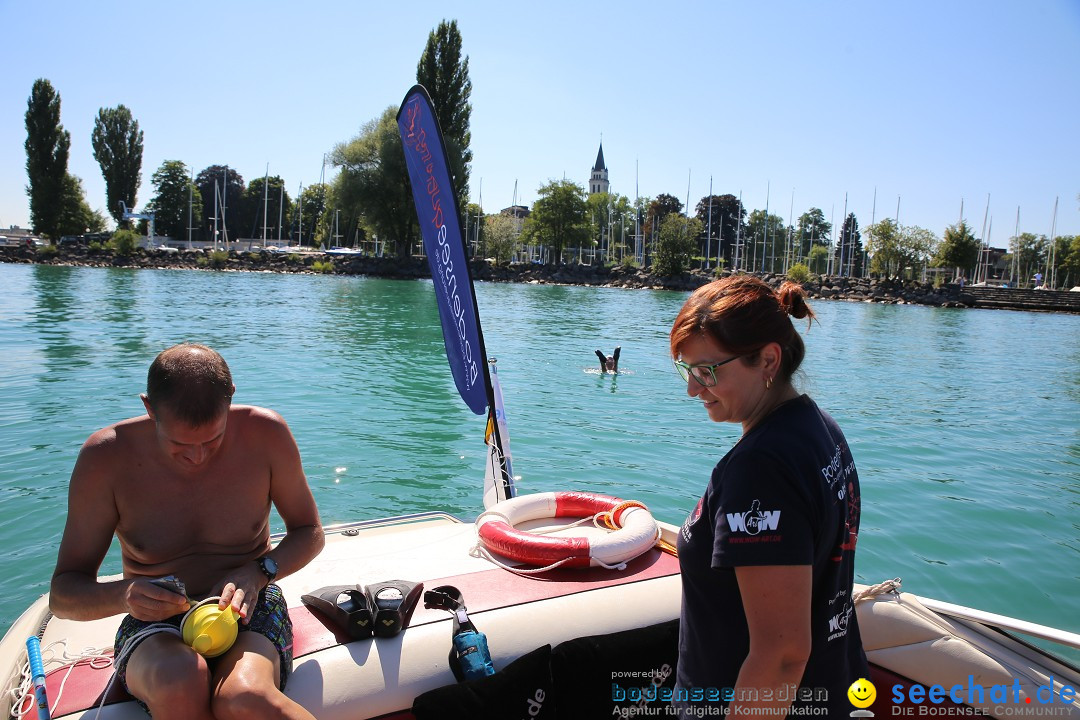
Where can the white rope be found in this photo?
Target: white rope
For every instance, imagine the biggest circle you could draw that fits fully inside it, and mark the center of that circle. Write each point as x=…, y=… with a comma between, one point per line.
x=479, y=551
x=889, y=586
x=99, y=660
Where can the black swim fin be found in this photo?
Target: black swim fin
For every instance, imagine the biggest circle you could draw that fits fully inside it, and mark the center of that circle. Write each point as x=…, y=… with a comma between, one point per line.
x=392, y=603
x=347, y=606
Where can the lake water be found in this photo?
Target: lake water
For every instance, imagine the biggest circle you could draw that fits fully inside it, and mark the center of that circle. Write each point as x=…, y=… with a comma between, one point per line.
x=964, y=424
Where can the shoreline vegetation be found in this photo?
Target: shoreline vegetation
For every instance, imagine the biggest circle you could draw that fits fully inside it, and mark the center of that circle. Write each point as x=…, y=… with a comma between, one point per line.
x=880, y=290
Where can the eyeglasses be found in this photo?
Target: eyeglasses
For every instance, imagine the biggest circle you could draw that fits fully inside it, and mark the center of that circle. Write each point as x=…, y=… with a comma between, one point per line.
x=704, y=374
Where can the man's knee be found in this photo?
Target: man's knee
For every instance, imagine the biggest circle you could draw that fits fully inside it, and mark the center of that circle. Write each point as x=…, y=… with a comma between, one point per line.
x=238, y=698
x=168, y=676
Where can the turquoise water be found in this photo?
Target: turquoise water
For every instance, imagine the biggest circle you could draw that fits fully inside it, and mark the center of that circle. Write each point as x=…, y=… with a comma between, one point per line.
x=965, y=425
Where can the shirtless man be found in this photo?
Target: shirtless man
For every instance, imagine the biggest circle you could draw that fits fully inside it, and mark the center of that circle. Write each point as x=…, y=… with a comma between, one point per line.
x=187, y=490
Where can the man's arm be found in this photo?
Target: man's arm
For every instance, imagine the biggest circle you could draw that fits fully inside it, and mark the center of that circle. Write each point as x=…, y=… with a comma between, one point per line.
x=291, y=495
x=776, y=600
x=615, y=358
x=92, y=518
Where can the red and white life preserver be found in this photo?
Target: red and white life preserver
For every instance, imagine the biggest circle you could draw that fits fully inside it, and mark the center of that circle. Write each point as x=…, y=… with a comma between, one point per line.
x=635, y=529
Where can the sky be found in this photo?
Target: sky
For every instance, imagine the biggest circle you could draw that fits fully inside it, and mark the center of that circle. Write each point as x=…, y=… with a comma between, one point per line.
x=923, y=106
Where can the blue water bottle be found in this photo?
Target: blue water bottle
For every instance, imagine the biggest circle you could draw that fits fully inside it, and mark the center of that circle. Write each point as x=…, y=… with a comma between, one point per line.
x=37, y=672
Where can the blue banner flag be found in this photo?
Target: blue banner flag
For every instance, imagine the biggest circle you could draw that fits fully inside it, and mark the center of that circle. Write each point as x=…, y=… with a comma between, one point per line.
x=440, y=226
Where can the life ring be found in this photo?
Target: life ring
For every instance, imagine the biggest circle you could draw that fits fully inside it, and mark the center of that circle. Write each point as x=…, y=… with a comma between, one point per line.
x=634, y=529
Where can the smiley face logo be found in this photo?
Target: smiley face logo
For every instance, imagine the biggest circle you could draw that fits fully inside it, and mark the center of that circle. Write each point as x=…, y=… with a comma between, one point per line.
x=862, y=693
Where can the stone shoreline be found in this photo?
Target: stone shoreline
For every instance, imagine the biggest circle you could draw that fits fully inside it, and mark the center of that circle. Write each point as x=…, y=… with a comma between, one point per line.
x=853, y=289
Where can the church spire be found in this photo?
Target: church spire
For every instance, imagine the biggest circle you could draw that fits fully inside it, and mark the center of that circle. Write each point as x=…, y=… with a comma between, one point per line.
x=598, y=180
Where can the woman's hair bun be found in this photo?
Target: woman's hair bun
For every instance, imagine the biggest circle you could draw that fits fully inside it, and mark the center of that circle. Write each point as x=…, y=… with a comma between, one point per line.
x=792, y=299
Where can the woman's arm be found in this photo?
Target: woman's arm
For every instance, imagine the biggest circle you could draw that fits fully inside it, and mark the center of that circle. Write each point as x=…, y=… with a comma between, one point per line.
x=776, y=600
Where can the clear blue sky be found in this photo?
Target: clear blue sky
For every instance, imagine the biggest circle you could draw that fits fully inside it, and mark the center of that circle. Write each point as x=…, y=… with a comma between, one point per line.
x=929, y=102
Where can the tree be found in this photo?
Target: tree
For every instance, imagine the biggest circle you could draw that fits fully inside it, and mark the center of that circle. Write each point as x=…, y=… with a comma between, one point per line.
x=848, y=254
x=818, y=258
x=899, y=250
x=500, y=237
x=676, y=242
x=76, y=216
x=310, y=212
x=445, y=74
x=558, y=217
x=264, y=203
x=374, y=182
x=1030, y=253
x=728, y=221
x=47, y=146
x=611, y=219
x=765, y=241
x=118, y=149
x=230, y=188
x=812, y=230
x=959, y=249
x=475, y=230
x=172, y=213
x=1068, y=264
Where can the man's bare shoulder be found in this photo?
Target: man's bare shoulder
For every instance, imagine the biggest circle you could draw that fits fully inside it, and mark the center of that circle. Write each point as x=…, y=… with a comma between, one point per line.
x=117, y=437
x=255, y=416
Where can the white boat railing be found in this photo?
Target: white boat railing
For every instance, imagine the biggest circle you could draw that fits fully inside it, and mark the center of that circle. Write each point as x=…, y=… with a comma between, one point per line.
x=1004, y=622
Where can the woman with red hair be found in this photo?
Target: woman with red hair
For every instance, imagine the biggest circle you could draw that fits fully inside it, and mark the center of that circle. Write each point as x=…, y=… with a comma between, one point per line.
x=768, y=555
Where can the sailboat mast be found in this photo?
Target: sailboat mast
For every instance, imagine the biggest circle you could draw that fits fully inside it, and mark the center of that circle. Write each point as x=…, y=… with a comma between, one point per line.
x=190, y=200
x=1051, y=265
x=708, y=229
x=1016, y=251
x=266, y=200
x=280, y=209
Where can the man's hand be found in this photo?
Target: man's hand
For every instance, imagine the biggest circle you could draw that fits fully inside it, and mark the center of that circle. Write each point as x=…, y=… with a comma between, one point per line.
x=241, y=589
x=149, y=602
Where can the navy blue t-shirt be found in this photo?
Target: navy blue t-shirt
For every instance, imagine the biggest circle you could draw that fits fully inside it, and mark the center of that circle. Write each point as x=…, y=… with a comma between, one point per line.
x=786, y=494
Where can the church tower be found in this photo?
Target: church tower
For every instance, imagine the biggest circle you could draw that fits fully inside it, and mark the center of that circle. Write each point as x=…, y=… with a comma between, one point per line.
x=598, y=182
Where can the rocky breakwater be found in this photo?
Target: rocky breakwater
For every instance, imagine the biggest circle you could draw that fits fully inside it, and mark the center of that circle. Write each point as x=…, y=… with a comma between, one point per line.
x=617, y=276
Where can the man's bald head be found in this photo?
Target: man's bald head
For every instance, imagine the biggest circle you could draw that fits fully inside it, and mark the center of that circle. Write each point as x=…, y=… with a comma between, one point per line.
x=192, y=381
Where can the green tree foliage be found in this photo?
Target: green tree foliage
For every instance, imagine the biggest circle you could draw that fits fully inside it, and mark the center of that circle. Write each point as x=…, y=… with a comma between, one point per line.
x=728, y=221
x=1030, y=253
x=118, y=149
x=676, y=243
x=798, y=273
x=611, y=222
x=558, y=217
x=812, y=230
x=959, y=249
x=1068, y=254
x=269, y=195
x=173, y=189
x=374, y=182
x=230, y=188
x=311, y=212
x=500, y=238
x=445, y=74
x=659, y=209
x=475, y=229
x=123, y=242
x=76, y=216
x=818, y=258
x=848, y=254
x=899, y=250
x=765, y=240
x=47, y=146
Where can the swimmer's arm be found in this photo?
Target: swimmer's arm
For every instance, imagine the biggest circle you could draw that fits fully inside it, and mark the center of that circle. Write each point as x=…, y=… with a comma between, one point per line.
x=776, y=600
x=603, y=360
x=75, y=592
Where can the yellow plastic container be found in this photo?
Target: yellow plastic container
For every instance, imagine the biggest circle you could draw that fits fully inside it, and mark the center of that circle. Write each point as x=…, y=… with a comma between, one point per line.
x=209, y=631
